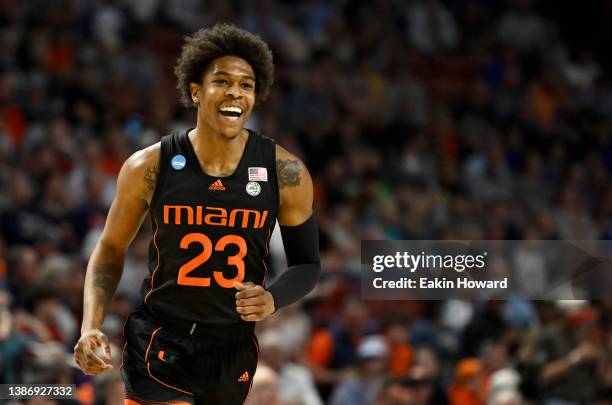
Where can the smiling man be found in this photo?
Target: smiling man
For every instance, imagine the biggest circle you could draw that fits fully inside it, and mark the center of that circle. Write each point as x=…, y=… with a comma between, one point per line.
x=213, y=195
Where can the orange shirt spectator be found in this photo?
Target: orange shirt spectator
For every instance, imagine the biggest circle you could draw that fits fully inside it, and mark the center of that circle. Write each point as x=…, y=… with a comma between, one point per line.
x=400, y=359
x=401, y=356
x=467, y=384
x=321, y=348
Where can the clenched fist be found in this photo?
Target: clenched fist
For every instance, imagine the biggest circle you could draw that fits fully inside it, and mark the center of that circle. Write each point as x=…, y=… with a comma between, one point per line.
x=85, y=355
x=253, y=303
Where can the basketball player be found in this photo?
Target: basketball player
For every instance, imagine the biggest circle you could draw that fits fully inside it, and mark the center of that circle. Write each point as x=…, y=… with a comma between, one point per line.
x=213, y=194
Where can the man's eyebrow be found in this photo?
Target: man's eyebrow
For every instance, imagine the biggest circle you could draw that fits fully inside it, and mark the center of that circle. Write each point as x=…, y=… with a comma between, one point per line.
x=223, y=72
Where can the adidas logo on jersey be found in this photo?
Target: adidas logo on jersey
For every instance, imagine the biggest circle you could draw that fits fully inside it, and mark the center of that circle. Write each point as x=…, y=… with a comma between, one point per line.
x=217, y=185
x=244, y=377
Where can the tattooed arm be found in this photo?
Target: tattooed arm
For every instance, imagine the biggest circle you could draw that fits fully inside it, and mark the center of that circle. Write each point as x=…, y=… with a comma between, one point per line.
x=301, y=241
x=135, y=186
x=295, y=186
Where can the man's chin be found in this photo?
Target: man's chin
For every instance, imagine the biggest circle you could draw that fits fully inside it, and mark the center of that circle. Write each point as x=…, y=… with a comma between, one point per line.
x=228, y=129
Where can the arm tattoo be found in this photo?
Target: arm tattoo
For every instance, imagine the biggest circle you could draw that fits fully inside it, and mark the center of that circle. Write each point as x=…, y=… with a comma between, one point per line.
x=288, y=173
x=105, y=280
x=105, y=276
x=150, y=177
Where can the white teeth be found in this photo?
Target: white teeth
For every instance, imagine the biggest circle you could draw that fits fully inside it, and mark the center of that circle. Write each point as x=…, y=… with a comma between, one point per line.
x=231, y=109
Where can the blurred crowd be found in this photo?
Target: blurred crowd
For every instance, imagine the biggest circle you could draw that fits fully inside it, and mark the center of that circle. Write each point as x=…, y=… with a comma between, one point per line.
x=418, y=119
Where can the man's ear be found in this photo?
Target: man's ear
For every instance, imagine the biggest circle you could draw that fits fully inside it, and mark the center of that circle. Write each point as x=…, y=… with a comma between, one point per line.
x=194, y=91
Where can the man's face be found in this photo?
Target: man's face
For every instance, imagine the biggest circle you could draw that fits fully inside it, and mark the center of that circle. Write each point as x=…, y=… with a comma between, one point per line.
x=226, y=96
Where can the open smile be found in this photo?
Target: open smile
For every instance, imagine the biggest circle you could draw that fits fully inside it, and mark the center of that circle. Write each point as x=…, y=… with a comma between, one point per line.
x=232, y=113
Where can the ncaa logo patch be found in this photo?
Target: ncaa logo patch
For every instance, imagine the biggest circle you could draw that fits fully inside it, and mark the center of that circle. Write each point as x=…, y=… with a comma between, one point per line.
x=253, y=188
x=178, y=162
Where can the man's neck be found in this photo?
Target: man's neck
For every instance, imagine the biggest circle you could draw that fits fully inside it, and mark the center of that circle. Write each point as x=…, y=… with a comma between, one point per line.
x=218, y=155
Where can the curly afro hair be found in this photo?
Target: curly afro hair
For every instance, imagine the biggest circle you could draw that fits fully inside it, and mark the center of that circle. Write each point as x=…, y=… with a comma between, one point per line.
x=208, y=44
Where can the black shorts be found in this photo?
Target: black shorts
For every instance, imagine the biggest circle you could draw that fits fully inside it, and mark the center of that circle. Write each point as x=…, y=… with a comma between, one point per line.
x=173, y=362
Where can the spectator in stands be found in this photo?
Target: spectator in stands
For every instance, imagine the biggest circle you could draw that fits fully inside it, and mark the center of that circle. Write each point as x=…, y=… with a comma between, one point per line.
x=362, y=386
x=467, y=384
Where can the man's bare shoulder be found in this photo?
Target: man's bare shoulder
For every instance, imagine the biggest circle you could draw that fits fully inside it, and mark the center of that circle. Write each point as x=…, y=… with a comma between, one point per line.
x=142, y=169
x=290, y=170
x=295, y=186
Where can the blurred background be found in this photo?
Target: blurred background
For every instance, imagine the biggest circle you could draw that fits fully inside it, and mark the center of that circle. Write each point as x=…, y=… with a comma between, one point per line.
x=418, y=119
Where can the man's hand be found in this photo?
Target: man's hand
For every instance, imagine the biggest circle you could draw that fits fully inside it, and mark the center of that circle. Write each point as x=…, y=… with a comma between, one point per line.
x=253, y=303
x=85, y=356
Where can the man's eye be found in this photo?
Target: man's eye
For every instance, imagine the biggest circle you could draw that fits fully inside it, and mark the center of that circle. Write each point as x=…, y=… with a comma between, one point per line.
x=220, y=81
x=247, y=86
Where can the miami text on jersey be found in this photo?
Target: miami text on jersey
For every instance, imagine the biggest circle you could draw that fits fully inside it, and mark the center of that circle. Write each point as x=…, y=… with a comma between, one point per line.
x=215, y=216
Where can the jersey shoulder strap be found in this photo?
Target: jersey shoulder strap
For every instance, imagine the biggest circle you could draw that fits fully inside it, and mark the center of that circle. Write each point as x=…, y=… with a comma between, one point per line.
x=264, y=152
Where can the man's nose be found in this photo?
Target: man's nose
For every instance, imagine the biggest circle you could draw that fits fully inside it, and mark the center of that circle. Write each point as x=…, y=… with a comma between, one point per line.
x=233, y=90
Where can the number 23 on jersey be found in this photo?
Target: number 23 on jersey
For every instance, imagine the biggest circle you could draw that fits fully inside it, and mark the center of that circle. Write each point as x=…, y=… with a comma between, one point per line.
x=236, y=260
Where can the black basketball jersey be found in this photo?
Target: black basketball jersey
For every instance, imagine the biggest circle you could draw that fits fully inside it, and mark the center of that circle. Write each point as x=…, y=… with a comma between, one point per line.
x=209, y=231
